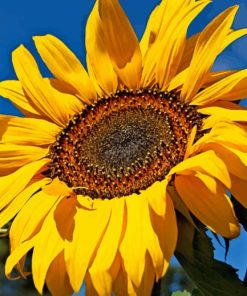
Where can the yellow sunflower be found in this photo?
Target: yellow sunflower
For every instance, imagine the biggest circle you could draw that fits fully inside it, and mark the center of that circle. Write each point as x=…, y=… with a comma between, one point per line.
x=92, y=173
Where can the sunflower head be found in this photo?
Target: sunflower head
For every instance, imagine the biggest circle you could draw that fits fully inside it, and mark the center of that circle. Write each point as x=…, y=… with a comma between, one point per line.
x=95, y=170
x=123, y=143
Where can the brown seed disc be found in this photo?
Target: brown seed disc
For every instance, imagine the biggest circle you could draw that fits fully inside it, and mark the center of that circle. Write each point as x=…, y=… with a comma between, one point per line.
x=123, y=143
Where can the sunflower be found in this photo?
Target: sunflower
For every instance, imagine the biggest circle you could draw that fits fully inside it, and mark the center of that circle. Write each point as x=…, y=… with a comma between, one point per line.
x=93, y=172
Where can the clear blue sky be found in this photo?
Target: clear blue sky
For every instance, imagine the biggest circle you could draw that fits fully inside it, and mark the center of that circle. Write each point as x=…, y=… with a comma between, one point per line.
x=22, y=19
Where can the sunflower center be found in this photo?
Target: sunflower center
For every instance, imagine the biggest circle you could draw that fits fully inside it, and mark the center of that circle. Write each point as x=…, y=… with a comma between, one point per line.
x=123, y=143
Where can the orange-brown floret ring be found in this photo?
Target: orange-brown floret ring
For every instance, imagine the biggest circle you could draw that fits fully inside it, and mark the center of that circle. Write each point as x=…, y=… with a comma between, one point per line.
x=124, y=143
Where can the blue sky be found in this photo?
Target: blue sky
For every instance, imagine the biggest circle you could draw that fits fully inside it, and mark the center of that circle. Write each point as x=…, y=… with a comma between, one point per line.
x=20, y=20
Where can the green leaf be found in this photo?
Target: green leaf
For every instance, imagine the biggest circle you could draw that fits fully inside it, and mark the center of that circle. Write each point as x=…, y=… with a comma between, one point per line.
x=240, y=211
x=227, y=246
x=179, y=293
x=226, y=240
x=195, y=254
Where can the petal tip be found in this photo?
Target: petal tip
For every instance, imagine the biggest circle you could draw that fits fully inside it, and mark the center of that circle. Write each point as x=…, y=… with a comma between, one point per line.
x=234, y=230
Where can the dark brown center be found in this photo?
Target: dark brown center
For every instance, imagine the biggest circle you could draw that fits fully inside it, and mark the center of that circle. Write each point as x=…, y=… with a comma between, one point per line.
x=123, y=143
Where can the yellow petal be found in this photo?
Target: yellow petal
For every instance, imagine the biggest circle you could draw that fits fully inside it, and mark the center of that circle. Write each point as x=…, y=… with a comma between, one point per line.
x=120, y=283
x=226, y=104
x=191, y=44
x=65, y=99
x=190, y=141
x=240, y=154
x=226, y=133
x=207, y=162
x=57, y=278
x=232, y=158
x=26, y=224
x=152, y=28
x=42, y=96
x=213, y=77
x=158, y=20
x=166, y=230
x=87, y=202
x=138, y=239
x=179, y=205
x=49, y=246
x=169, y=21
x=17, y=204
x=232, y=135
x=222, y=113
x=208, y=46
x=114, y=270
x=65, y=66
x=102, y=284
x=133, y=246
x=235, y=160
x=27, y=131
x=100, y=92
x=155, y=196
x=148, y=279
x=90, y=290
x=148, y=41
x=239, y=189
x=100, y=269
x=212, y=109
x=121, y=42
x=62, y=86
x=13, y=157
x=178, y=81
x=170, y=53
x=98, y=58
x=234, y=35
x=17, y=254
x=153, y=246
x=90, y=226
x=188, y=52
x=12, y=89
x=207, y=200
x=210, y=78
x=124, y=286
x=13, y=184
x=59, y=188
x=230, y=88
